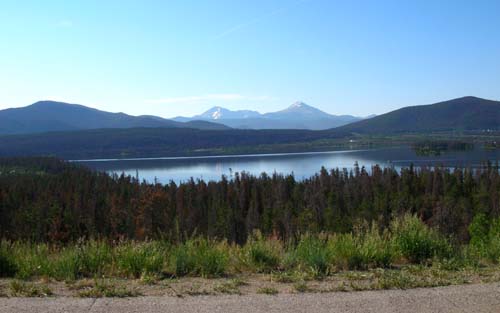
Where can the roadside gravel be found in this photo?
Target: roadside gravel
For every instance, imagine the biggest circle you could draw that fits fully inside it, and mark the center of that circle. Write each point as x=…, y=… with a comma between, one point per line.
x=463, y=298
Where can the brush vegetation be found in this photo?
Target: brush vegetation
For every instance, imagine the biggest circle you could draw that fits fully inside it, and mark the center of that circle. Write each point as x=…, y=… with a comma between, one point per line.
x=407, y=241
x=413, y=228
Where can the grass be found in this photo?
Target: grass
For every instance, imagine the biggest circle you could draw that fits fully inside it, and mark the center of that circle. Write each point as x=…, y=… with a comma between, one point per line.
x=268, y=291
x=80, y=285
x=485, y=238
x=404, y=277
x=24, y=289
x=231, y=287
x=149, y=279
x=199, y=257
x=135, y=259
x=417, y=242
x=263, y=255
x=301, y=287
x=289, y=276
x=101, y=289
x=311, y=255
x=408, y=242
x=196, y=289
x=8, y=267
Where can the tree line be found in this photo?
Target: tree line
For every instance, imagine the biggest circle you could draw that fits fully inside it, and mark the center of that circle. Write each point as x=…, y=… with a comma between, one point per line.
x=44, y=199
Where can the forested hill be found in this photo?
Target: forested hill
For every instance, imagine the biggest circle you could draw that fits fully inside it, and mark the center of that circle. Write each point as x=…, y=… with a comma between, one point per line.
x=151, y=142
x=467, y=113
x=47, y=200
x=44, y=116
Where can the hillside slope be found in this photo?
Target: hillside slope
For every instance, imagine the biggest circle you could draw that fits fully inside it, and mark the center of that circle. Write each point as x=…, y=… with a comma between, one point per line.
x=467, y=113
x=149, y=142
x=47, y=116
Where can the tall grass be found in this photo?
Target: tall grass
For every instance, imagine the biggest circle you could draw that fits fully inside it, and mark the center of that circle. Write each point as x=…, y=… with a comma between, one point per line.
x=408, y=240
x=134, y=259
x=199, y=256
x=32, y=260
x=311, y=254
x=263, y=255
x=8, y=267
x=417, y=242
x=361, y=250
x=485, y=238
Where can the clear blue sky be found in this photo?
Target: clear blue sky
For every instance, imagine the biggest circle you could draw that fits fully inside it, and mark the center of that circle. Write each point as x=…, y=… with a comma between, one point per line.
x=181, y=57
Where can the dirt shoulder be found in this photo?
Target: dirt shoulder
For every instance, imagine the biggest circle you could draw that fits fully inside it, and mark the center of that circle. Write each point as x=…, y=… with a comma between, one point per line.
x=276, y=283
x=460, y=298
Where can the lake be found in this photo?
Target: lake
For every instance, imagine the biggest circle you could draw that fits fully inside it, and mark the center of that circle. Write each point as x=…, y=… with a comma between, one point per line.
x=302, y=165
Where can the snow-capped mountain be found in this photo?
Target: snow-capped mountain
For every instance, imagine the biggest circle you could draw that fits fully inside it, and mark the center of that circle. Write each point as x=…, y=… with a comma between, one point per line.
x=219, y=113
x=299, y=110
x=299, y=115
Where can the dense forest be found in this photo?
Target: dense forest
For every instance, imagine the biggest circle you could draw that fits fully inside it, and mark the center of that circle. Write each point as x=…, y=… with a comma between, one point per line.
x=160, y=142
x=45, y=199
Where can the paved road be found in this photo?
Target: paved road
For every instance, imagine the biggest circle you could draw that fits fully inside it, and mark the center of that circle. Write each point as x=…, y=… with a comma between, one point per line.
x=469, y=298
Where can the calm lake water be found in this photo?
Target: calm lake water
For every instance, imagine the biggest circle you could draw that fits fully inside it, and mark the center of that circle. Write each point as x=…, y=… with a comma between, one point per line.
x=302, y=165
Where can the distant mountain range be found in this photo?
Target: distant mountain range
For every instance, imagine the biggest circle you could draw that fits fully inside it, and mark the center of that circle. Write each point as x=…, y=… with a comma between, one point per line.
x=467, y=113
x=47, y=116
x=297, y=116
x=150, y=136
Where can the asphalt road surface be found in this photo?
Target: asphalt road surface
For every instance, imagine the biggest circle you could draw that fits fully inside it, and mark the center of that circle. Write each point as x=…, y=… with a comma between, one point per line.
x=466, y=298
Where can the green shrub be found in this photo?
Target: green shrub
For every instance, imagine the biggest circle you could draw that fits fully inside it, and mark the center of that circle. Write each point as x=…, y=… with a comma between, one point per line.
x=32, y=260
x=417, y=242
x=493, y=244
x=478, y=230
x=344, y=251
x=134, y=258
x=361, y=250
x=65, y=264
x=485, y=238
x=199, y=257
x=312, y=254
x=264, y=255
x=8, y=267
x=96, y=258
x=376, y=249
x=182, y=261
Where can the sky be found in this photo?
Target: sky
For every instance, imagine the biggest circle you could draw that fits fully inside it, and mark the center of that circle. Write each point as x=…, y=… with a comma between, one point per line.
x=171, y=58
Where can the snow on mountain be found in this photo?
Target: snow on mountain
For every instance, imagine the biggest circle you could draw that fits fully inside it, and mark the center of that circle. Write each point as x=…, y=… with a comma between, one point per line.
x=298, y=115
x=299, y=110
x=219, y=113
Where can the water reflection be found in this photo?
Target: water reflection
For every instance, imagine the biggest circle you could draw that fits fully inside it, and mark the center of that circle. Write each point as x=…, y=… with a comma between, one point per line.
x=302, y=165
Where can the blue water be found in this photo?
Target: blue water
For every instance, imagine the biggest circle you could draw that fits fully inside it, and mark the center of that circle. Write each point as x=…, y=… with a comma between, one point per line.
x=302, y=165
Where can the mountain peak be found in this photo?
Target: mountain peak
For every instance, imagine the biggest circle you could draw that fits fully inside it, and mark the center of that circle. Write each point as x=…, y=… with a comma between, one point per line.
x=45, y=103
x=216, y=108
x=298, y=115
x=218, y=113
x=58, y=105
x=215, y=113
x=297, y=104
x=304, y=108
